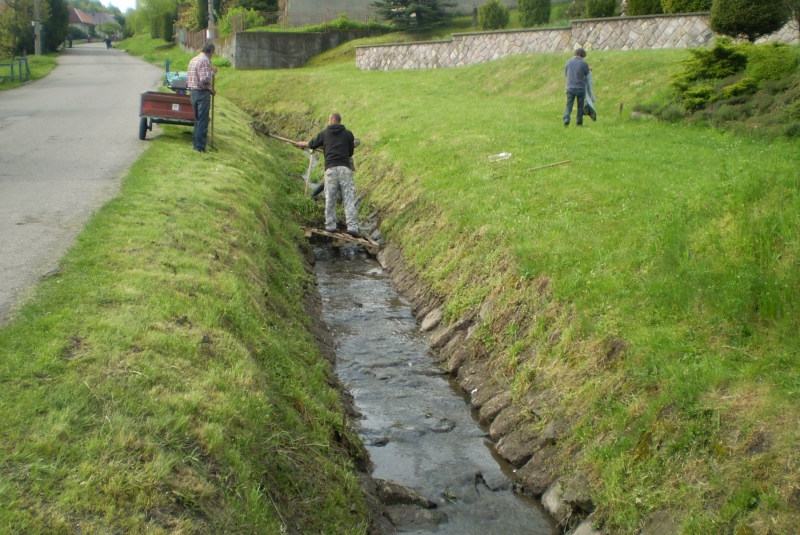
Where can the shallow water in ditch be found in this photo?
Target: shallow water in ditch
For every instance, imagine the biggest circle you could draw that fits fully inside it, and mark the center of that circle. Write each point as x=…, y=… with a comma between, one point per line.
x=417, y=426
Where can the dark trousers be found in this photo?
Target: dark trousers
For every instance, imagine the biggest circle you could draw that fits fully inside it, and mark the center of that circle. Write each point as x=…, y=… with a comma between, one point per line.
x=571, y=94
x=201, y=104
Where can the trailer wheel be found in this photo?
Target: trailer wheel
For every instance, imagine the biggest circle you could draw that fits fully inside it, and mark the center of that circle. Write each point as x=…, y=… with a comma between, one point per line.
x=143, y=128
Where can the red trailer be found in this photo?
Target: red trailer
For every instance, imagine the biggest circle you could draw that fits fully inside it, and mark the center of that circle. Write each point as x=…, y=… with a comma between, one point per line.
x=164, y=108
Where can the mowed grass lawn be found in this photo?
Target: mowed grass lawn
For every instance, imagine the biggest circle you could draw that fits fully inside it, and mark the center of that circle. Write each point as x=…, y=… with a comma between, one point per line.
x=680, y=241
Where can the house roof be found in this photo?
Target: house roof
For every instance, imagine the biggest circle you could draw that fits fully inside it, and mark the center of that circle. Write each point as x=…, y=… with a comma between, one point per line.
x=99, y=17
x=76, y=16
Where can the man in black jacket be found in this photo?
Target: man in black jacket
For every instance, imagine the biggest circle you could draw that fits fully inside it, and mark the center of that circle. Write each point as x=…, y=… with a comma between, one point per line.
x=337, y=144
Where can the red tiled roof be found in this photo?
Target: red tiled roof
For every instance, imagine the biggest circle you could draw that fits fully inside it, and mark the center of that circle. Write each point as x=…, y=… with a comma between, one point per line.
x=76, y=16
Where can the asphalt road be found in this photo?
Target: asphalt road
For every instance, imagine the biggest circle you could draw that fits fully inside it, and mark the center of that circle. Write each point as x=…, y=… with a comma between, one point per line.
x=65, y=142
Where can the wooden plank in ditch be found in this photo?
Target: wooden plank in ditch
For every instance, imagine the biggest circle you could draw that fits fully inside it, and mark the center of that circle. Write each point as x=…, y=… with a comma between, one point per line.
x=340, y=238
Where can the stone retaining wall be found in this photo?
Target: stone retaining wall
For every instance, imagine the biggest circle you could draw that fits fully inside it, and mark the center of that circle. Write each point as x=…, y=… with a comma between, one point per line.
x=624, y=33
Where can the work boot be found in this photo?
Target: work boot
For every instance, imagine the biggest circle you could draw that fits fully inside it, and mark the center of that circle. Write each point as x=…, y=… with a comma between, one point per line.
x=355, y=234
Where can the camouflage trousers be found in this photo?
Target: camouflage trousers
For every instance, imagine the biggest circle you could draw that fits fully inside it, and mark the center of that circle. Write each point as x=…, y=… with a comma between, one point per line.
x=340, y=179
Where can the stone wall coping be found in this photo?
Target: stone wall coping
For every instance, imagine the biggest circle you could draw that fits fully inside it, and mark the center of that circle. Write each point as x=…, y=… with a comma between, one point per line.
x=409, y=43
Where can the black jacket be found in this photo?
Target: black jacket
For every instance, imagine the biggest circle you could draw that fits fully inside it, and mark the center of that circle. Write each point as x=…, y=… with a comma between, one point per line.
x=337, y=143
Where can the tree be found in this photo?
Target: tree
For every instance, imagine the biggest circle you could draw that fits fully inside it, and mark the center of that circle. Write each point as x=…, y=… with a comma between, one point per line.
x=600, y=8
x=108, y=28
x=685, y=6
x=793, y=7
x=258, y=5
x=16, y=30
x=56, y=27
x=644, y=7
x=534, y=12
x=413, y=14
x=747, y=18
x=493, y=15
x=202, y=12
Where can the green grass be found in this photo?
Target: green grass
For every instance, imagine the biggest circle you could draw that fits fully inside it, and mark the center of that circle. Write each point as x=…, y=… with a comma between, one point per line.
x=165, y=379
x=40, y=67
x=156, y=51
x=679, y=241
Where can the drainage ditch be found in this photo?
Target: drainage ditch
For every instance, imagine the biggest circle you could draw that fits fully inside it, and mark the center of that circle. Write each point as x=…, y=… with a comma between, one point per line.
x=417, y=425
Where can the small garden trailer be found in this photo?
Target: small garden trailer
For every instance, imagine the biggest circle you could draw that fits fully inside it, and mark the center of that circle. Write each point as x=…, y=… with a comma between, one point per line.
x=164, y=108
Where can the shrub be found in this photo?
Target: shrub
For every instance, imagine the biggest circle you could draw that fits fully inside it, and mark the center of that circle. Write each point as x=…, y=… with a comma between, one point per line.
x=600, y=8
x=252, y=19
x=493, y=15
x=697, y=97
x=745, y=86
x=533, y=12
x=794, y=111
x=220, y=62
x=576, y=10
x=127, y=31
x=685, y=6
x=167, y=27
x=792, y=129
x=644, y=7
x=771, y=61
x=343, y=22
x=727, y=113
x=77, y=33
x=722, y=60
x=777, y=86
x=156, y=25
x=671, y=114
x=748, y=18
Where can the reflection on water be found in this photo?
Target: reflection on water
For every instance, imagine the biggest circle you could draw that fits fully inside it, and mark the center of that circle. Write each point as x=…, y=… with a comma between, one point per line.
x=417, y=427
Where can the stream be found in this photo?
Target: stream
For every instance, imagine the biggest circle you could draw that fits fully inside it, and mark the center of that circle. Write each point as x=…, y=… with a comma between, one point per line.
x=416, y=423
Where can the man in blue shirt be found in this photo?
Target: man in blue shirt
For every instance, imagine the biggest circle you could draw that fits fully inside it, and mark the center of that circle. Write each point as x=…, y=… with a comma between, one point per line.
x=576, y=71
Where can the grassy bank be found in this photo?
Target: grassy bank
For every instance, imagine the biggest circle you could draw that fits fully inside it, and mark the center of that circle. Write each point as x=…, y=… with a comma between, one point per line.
x=650, y=286
x=40, y=67
x=164, y=380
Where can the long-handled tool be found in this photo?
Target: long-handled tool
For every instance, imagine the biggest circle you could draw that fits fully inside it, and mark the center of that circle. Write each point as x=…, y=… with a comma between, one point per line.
x=548, y=165
x=261, y=128
x=213, y=79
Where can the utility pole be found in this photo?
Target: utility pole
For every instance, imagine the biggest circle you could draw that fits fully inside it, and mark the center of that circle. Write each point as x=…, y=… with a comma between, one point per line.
x=37, y=28
x=210, y=30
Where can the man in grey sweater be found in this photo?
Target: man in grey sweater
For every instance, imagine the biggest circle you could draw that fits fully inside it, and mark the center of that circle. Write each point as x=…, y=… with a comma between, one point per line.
x=576, y=71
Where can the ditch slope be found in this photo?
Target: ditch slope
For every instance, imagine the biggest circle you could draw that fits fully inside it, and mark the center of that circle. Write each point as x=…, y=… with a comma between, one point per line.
x=623, y=323
x=166, y=378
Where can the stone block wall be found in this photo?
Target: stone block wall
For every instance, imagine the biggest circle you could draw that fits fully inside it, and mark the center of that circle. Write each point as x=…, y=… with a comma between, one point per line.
x=624, y=33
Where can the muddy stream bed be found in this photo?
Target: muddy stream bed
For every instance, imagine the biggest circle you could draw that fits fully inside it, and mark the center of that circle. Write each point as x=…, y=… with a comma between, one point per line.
x=416, y=423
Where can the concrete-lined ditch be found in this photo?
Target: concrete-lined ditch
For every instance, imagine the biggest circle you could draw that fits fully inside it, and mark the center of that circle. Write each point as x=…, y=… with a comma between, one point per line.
x=417, y=426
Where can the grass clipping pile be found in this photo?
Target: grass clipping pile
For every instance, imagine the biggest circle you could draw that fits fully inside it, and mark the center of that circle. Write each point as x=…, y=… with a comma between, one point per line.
x=165, y=380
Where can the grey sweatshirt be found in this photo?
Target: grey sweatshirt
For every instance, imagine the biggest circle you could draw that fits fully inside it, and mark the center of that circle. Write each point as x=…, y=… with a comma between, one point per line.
x=576, y=71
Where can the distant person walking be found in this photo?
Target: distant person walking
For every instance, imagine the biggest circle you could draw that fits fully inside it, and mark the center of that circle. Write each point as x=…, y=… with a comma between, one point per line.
x=576, y=71
x=108, y=42
x=337, y=144
x=198, y=80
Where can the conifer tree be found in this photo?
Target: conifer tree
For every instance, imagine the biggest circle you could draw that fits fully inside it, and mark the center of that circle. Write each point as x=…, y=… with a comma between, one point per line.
x=685, y=6
x=644, y=7
x=413, y=14
x=534, y=12
x=748, y=18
